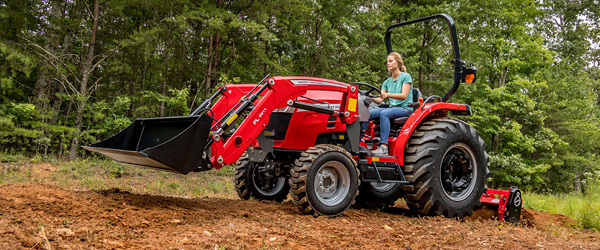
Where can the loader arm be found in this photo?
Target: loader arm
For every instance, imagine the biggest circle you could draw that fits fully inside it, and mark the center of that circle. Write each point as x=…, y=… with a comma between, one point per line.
x=276, y=93
x=180, y=144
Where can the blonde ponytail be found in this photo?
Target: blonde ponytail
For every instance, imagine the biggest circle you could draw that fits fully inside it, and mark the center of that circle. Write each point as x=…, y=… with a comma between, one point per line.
x=398, y=58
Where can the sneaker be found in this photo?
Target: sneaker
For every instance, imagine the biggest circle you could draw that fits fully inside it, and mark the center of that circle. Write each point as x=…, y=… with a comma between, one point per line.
x=382, y=150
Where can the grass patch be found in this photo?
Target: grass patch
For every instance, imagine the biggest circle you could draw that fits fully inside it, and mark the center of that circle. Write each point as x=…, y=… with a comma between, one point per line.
x=102, y=173
x=14, y=174
x=212, y=183
x=584, y=208
x=13, y=158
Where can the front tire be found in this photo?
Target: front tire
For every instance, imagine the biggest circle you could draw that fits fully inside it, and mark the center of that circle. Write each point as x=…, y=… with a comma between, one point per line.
x=446, y=165
x=324, y=180
x=253, y=180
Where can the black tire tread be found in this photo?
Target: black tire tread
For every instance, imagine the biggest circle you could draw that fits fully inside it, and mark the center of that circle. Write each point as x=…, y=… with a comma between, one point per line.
x=241, y=185
x=300, y=170
x=239, y=180
x=419, y=194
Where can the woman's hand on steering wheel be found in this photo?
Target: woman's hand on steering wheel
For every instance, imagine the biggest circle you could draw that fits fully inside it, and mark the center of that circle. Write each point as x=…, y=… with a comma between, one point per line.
x=372, y=88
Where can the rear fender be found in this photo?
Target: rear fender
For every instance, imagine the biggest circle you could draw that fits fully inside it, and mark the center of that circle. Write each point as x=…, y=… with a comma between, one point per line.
x=427, y=112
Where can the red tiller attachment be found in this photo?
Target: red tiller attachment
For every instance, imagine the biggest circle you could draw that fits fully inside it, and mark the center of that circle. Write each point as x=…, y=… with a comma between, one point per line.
x=509, y=203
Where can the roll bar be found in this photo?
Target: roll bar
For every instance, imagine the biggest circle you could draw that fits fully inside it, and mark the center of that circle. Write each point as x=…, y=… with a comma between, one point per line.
x=459, y=65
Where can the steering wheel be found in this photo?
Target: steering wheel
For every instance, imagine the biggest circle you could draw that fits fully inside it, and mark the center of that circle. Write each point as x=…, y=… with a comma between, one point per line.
x=371, y=89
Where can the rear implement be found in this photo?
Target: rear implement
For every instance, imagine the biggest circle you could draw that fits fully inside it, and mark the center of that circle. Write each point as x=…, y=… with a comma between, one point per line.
x=508, y=203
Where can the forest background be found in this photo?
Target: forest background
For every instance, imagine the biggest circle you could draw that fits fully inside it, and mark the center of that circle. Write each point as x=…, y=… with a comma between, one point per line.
x=74, y=72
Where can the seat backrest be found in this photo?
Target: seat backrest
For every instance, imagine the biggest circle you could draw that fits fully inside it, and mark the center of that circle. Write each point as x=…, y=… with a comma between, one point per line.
x=416, y=93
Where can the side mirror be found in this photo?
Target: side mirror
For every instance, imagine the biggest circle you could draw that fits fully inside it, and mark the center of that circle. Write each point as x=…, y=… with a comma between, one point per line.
x=469, y=75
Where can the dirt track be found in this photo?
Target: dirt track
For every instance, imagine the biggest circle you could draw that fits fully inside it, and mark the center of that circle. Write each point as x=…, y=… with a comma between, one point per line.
x=37, y=216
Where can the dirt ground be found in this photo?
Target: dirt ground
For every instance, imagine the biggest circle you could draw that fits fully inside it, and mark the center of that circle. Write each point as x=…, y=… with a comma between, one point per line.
x=44, y=216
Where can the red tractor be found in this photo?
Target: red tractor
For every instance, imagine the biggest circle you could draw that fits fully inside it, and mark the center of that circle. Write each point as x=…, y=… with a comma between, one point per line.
x=302, y=136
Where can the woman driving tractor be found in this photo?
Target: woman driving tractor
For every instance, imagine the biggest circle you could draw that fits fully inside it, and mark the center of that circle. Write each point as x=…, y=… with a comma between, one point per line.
x=398, y=88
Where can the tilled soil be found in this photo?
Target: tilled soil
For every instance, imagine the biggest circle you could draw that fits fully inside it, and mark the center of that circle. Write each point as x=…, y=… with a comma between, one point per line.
x=42, y=216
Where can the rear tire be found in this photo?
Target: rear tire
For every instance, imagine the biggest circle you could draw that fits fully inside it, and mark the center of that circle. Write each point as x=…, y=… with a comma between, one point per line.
x=446, y=165
x=252, y=182
x=324, y=180
x=378, y=194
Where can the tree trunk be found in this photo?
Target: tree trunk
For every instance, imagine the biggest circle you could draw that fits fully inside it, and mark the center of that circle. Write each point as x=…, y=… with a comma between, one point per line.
x=428, y=90
x=267, y=48
x=313, y=60
x=421, y=59
x=207, y=85
x=166, y=69
x=43, y=85
x=78, y=126
x=495, y=140
x=213, y=59
x=67, y=47
x=502, y=81
x=130, y=91
x=577, y=183
x=182, y=65
x=216, y=59
x=194, y=86
x=217, y=55
x=164, y=82
x=213, y=63
x=86, y=71
x=56, y=105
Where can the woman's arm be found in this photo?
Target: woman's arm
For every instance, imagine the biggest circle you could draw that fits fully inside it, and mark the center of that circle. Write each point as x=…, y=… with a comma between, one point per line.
x=400, y=96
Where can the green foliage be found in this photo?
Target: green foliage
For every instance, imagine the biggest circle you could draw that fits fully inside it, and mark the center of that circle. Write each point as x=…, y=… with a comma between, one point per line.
x=111, y=117
x=512, y=123
x=175, y=100
x=589, y=217
x=15, y=65
x=24, y=127
x=6, y=128
x=12, y=158
x=116, y=170
x=585, y=209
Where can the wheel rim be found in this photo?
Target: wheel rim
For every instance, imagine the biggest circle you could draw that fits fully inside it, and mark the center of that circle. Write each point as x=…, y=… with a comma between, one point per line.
x=382, y=187
x=267, y=185
x=458, y=172
x=332, y=183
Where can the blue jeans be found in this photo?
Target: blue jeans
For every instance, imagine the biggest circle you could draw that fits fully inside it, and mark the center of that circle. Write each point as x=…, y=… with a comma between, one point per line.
x=384, y=115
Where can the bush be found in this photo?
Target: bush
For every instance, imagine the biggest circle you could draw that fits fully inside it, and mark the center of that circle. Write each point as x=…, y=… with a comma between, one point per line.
x=589, y=218
x=115, y=169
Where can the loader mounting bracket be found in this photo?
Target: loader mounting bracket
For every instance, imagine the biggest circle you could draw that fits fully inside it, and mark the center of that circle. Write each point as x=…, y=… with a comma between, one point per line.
x=265, y=147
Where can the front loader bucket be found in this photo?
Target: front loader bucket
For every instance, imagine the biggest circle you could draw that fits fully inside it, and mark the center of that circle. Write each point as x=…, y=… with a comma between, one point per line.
x=167, y=143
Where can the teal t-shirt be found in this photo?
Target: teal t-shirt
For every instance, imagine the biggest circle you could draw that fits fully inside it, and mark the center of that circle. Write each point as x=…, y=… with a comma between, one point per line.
x=395, y=87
